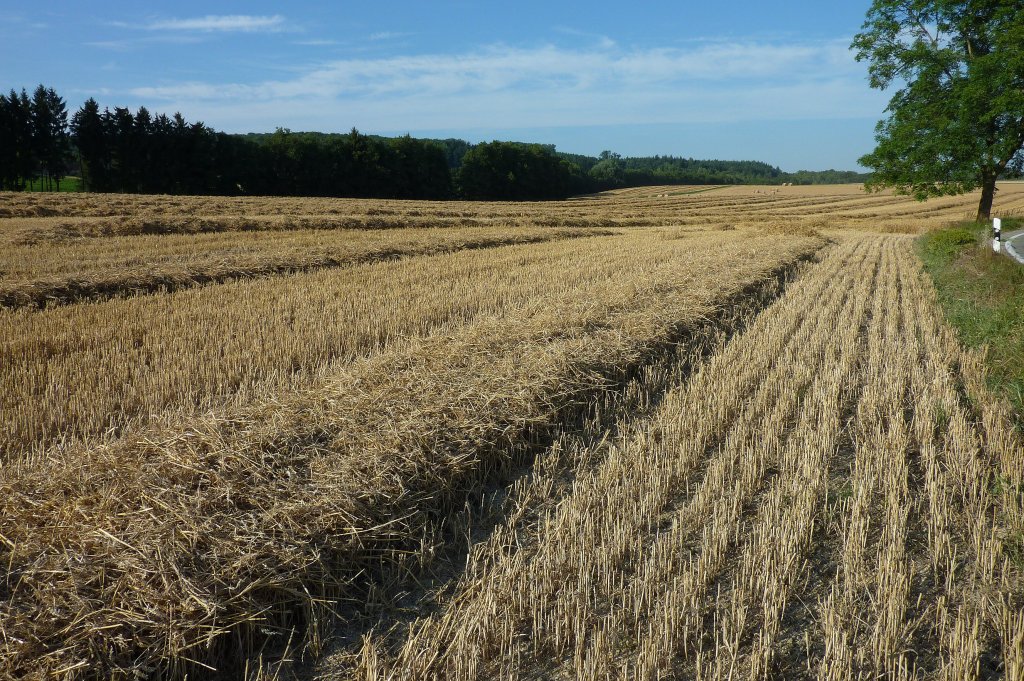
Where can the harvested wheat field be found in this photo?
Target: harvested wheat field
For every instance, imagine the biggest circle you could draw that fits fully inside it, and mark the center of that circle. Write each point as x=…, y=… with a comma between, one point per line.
x=657, y=433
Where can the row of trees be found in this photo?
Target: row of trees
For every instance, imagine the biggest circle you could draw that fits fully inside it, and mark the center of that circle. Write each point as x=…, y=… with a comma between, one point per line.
x=509, y=171
x=124, y=152
x=609, y=170
x=121, y=151
x=33, y=138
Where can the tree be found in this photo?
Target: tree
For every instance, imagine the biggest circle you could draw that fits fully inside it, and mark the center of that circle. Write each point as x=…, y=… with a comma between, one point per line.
x=42, y=130
x=125, y=166
x=609, y=172
x=956, y=121
x=419, y=169
x=50, y=132
x=141, y=139
x=90, y=137
x=8, y=155
x=17, y=124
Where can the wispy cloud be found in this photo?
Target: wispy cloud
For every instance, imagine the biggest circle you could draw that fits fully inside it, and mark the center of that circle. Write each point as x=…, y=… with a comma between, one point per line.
x=550, y=86
x=128, y=44
x=221, y=23
x=12, y=21
x=601, y=40
x=499, y=68
x=388, y=35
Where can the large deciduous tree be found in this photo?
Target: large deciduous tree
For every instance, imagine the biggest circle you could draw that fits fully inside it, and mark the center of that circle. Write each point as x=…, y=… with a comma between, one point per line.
x=956, y=120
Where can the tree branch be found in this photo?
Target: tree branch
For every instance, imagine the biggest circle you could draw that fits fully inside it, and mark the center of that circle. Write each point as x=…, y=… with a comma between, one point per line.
x=916, y=17
x=1013, y=152
x=934, y=40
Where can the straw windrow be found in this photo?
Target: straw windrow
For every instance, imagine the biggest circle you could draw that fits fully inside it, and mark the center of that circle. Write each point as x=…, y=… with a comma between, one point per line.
x=50, y=275
x=192, y=545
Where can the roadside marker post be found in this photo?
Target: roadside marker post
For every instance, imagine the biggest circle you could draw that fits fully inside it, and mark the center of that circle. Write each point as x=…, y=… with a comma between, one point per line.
x=997, y=235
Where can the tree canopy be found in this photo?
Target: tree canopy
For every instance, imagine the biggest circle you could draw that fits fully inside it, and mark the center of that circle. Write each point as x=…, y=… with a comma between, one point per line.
x=956, y=120
x=33, y=138
x=512, y=171
x=118, y=150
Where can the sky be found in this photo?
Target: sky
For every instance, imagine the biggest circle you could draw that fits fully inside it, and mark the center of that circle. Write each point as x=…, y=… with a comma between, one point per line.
x=743, y=80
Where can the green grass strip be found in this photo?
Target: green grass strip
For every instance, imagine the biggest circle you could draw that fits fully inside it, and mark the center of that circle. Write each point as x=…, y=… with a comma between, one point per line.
x=982, y=295
x=67, y=184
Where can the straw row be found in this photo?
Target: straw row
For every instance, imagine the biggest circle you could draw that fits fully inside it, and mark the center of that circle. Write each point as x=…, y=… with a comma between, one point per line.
x=194, y=544
x=48, y=275
x=97, y=370
x=819, y=500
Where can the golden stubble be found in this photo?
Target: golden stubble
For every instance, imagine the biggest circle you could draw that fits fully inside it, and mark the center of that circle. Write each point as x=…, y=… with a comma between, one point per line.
x=158, y=548
x=816, y=501
x=831, y=493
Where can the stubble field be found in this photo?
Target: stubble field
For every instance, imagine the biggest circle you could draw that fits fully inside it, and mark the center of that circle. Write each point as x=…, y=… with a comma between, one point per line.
x=656, y=433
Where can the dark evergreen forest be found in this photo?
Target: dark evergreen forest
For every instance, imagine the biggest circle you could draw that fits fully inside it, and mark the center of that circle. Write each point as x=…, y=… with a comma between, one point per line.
x=117, y=150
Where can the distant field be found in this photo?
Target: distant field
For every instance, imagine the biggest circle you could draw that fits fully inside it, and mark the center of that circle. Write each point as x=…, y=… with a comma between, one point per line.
x=666, y=432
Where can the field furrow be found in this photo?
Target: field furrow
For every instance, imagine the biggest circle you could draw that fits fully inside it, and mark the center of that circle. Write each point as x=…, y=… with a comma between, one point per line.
x=596, y=538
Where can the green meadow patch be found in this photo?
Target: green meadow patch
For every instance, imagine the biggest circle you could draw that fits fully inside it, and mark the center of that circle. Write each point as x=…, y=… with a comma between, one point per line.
x=982, y=295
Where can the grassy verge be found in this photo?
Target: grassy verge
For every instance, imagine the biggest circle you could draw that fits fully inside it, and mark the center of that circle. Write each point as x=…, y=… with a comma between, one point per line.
x=982, y=295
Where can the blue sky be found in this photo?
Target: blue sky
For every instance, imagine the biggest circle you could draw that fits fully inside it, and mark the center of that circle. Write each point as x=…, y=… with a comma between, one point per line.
x=771, y=81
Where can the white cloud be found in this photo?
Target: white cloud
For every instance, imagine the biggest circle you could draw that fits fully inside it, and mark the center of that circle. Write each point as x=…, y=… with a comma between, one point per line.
x=545, y=86
x=128, y=44
x=18, y=23
x=600, y=39
x=223, y=23
x=388, y=35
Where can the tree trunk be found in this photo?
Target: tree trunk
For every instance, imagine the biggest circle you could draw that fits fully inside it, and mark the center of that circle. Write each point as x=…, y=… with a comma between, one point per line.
x=988, y=194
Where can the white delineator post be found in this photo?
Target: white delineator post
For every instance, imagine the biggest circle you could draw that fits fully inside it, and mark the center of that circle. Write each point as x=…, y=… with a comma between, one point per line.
x=997, y=235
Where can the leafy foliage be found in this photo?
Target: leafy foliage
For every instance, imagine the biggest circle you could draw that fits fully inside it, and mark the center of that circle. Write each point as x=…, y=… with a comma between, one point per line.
x=956, y=119
x=610, y=170
x=514, y=171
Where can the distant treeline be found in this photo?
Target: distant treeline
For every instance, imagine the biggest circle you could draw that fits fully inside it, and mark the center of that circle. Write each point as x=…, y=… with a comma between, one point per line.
x=123, y=151
x=609, y=170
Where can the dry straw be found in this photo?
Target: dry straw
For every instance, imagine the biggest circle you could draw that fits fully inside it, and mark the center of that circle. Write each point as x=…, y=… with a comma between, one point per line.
x=208, y=478
x=81, y=371
x=47, y=274
x=189, y=546
x=816, y=501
